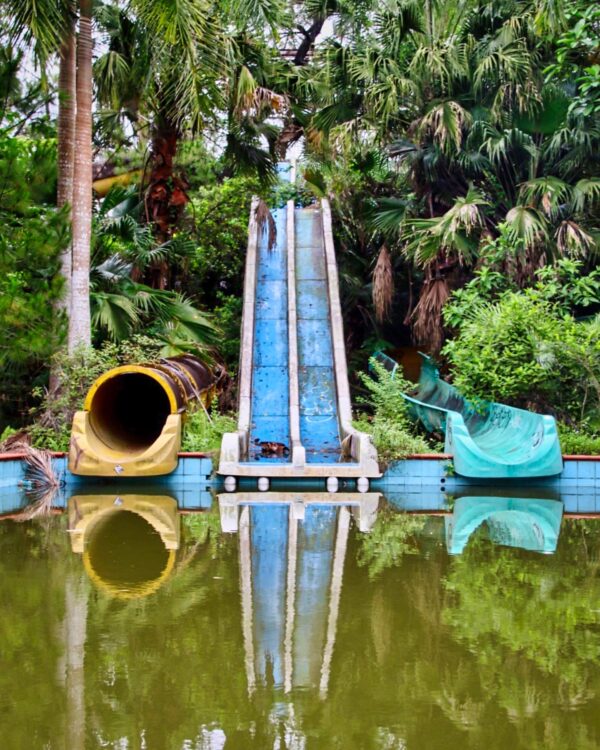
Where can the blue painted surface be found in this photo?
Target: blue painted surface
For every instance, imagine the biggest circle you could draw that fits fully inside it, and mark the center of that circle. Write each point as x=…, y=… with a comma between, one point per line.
x=269, y=541
x=319, y=424
x=488, y=440
x=270, y=373
x=528, y=523
x=190, y=484
x=316, y=542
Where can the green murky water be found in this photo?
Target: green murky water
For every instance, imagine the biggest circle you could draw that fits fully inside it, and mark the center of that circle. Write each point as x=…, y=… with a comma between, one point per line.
x=131, y=626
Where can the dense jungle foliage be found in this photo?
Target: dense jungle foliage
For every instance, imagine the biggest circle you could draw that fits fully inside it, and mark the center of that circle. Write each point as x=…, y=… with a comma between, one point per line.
x=458, y=142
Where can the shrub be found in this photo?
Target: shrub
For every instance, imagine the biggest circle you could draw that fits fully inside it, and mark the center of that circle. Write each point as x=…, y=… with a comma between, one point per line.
x=524, y=350
x=393, y=432
x=578, y=442
x=203, y=434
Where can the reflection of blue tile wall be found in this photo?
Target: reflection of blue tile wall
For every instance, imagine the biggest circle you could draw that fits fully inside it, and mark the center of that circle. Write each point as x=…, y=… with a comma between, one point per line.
x=418, y=484
x=189, y=484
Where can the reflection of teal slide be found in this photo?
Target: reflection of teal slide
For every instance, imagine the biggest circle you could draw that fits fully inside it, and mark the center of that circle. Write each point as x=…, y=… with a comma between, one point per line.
x=488, y=440
x=527, y=523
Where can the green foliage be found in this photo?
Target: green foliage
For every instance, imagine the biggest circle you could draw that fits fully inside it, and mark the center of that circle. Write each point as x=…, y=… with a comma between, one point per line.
x=393, y=536
x=122, y=307
x=393, y=440
x=392, y=430
x=579, y=441
x=525, y=350
x=33, y=235
x=576, y=49
x=228, y=319
x=563, y=285
x=221, y=213
x=203, y=432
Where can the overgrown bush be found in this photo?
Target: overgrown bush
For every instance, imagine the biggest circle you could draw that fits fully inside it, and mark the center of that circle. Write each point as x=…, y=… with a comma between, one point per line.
x=525, y=350
x=393, y=432
x=203, y=433
x=578, y=442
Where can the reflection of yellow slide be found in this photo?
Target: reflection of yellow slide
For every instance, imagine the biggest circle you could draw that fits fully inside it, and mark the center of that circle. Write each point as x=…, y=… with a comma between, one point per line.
x=128, y=542
x=132, y=418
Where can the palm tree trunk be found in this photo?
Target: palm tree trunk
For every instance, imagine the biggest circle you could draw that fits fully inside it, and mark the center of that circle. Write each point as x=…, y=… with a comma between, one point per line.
x=66, y=146
x=79, y=319
x=65, y=156
x=166, y=196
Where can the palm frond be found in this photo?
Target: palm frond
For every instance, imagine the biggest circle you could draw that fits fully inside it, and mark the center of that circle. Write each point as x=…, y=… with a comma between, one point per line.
x=586, y=193
x=445, y=123
x=549, y=193
x=389, y=215
x=572, y=239
x=383, y=284
x=528, y=224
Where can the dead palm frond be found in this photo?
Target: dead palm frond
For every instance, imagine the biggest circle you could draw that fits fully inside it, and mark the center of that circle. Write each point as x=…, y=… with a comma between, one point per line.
x=427, y=315
x=266, y=224
x=39, y=472
x=383, y=285
x=41, y=479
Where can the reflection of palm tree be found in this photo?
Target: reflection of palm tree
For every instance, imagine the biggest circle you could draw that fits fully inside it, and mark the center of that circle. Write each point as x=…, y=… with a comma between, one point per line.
x=74, y=630
x=453, y=698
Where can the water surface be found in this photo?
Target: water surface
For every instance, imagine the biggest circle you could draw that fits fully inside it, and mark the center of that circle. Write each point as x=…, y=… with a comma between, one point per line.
x=126, y=624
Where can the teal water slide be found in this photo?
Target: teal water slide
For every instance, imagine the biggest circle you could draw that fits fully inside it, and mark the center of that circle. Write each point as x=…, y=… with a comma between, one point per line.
x=527, y=523
x=486, y=440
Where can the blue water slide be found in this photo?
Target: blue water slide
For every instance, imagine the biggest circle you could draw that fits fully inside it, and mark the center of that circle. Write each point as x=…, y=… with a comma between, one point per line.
x=295, y=414
x=486, y=439
x=528, y=523
x=270, y=410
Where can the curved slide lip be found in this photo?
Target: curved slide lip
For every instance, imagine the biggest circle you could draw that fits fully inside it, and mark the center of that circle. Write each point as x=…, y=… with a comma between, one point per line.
x=471, y=459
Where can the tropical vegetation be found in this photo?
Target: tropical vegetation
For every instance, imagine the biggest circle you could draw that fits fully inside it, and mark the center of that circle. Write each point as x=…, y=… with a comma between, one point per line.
x=458, y=143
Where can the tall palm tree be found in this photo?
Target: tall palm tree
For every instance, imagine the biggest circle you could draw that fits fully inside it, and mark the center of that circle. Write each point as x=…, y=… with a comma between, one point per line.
x=66, y=142
x=50, y=27
x=166, y=62
x=80, y=331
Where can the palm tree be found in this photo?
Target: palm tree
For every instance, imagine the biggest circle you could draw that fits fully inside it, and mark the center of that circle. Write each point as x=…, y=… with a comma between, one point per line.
x=454, y=94
x=80, y=330
x=165, y=64
x=66, y=143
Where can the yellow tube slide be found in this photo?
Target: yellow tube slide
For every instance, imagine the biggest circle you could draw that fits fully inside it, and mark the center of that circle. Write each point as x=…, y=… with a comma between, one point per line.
x=131, y=421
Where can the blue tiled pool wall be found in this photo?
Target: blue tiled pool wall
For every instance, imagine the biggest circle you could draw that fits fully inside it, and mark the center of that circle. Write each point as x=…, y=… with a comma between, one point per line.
x=190, y=483
x=414, y=484
x=417, y=484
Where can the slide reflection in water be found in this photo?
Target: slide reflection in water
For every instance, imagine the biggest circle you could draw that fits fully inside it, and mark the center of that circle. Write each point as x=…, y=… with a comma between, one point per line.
x=128, y=542
x=292, y=550
x=529, y=523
